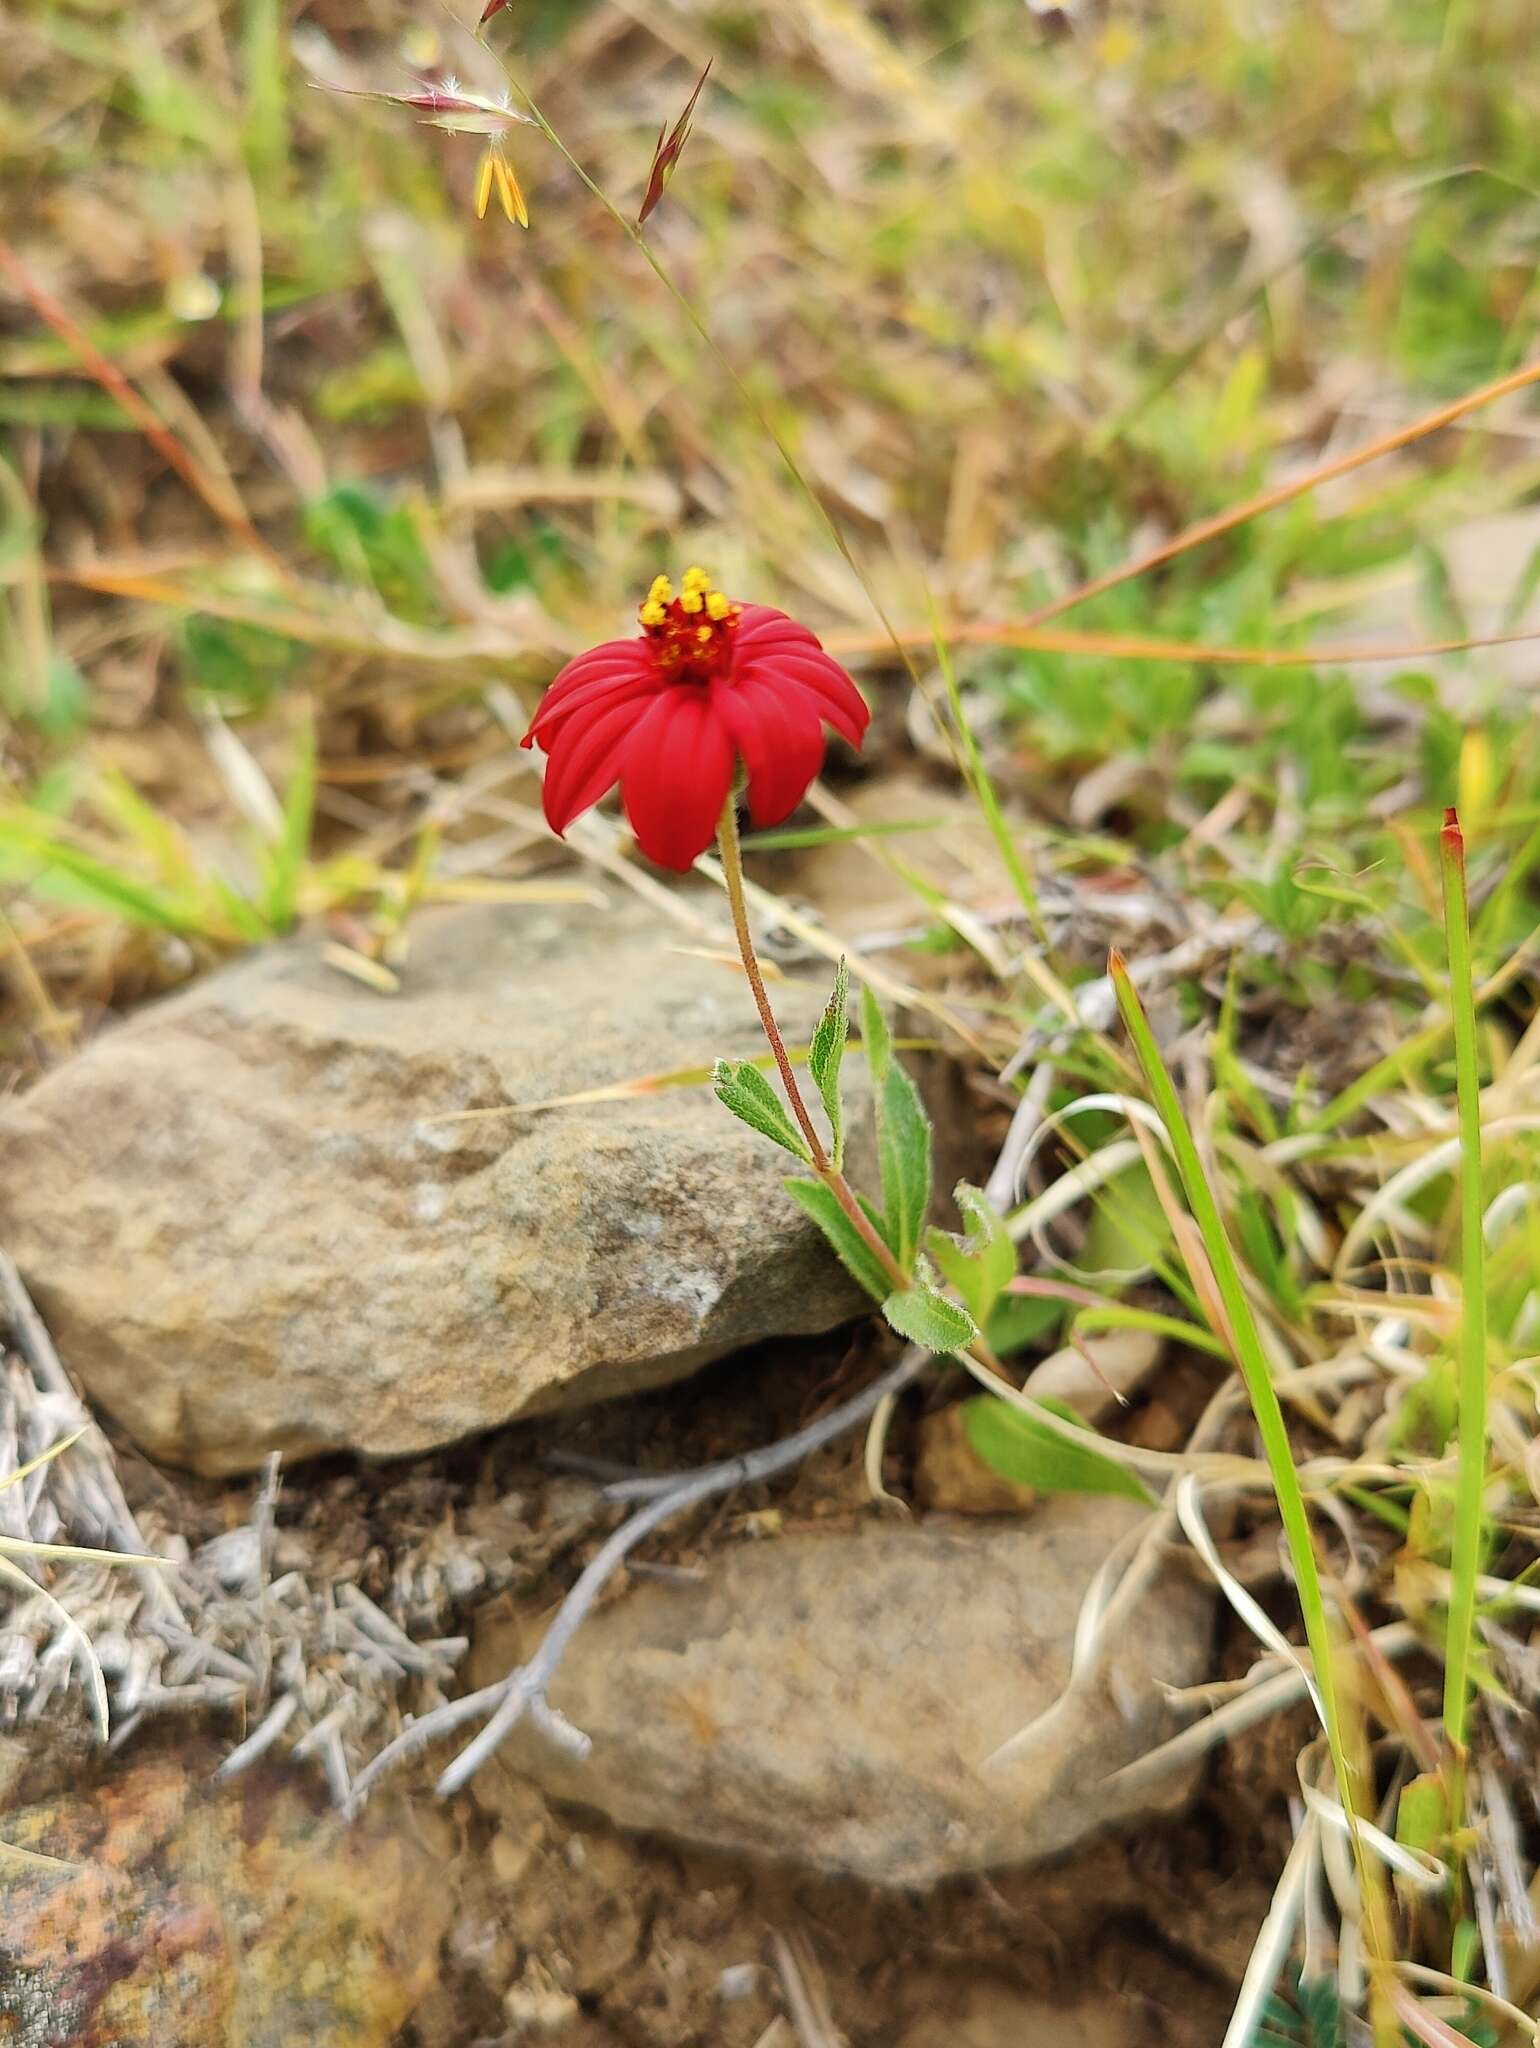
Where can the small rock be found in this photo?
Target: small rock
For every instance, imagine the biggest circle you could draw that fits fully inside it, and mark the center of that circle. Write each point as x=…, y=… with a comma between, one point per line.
x=252, y=1230
x=992, y=2015
x=243, y=1917
x=951, y=1477
x=1090, y=1376
x=832, y=1700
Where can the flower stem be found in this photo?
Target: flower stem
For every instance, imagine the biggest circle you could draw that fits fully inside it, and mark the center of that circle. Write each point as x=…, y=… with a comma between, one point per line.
x=822, y=1164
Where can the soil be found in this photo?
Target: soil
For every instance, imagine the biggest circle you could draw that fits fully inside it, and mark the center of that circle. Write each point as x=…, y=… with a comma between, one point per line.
x=566, y=1931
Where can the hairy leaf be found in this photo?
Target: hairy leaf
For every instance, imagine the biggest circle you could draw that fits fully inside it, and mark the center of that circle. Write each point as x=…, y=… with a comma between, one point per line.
x=825, y=1054
x=742, y=1088
x=1021, y=1448
x=855, y=1255
x=980, y=1266
x=903, y=1139
x=903, y=1154
x=874, y=1036
x=929, y=1319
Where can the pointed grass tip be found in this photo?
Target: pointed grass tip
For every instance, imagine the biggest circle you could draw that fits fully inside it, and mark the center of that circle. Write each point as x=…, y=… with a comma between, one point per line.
x=670, y=145
x=492, y=7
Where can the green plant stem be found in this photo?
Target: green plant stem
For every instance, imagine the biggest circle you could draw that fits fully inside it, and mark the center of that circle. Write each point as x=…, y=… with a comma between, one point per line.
x=1466, y=1556
x=823, y=1165
x=1268, y=1411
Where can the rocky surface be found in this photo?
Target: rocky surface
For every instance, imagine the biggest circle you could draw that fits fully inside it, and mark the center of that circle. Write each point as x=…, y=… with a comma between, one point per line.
x=251, y=1229
x=833, y=1699
x=197, y=1917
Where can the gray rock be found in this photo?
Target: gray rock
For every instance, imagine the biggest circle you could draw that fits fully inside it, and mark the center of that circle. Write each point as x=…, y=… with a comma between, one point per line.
x=832, y=1700
x=250, y=1231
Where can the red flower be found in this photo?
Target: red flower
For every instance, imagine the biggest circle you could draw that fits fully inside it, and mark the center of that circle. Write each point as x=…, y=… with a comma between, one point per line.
x=669, y=715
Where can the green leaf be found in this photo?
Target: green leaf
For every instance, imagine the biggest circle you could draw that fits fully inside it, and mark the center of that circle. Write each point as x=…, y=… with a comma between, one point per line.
x=834, y=835
x=826, y=1052
x=1020, y=1319
x=27, y=845
x=903, y=1155
x=742, y=1088
x=874, y=1036
x=241, y=666
x=903, y=1139
x=372, y=541
x=1021, y=1448
x=983, y=1264
x=1422, y=1814
x=855, y=1255
x=929, y=1319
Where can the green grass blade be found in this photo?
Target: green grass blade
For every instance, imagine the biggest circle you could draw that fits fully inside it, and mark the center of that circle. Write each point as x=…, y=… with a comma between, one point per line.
x=1466, y=1556
x=83, y=879
x=1252, y=1362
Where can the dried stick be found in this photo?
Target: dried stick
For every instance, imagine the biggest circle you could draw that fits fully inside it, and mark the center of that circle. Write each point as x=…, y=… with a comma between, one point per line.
x=144, y=416
x=523, y=1692
x=773, y=1458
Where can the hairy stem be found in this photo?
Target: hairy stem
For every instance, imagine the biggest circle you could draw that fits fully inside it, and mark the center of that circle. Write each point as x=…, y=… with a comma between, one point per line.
x=823, y=1165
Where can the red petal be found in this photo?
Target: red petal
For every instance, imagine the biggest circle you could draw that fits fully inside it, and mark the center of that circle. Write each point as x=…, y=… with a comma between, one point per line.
x=816, y=675
x=585, y=762
x=677, y=774
x=587, y=703
x=760, y=624
x=781, y=741
x=615, y=660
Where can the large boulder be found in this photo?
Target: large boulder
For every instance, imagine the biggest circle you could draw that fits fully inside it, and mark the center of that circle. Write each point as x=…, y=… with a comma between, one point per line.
x=252, y=1229
x=837, y=1700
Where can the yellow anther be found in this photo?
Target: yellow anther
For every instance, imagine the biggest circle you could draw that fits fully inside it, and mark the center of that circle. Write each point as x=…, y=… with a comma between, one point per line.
x=652, y=613
x=662, y=591
x=691, y=600
x=703, y=634
x=695, y=579
x=717, y=605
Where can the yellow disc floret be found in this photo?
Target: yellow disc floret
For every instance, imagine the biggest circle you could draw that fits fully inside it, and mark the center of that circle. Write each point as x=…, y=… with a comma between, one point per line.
x=699, y=602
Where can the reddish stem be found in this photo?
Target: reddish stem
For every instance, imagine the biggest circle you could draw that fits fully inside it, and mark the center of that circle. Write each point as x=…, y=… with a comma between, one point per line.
x=823, y=1166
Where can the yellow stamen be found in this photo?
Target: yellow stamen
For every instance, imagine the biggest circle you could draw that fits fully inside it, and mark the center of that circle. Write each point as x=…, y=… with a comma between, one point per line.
x=652, y=613
x=662, y=591
x=691, y=600
x=703, y=634
x=717, y=605
x=508, y=188
x=695, y=578
x=484, y=184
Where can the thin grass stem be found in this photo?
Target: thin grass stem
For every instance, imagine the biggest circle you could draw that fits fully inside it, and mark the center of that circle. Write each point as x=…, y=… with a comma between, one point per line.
x=1470, y=1484
x=1251, y=1359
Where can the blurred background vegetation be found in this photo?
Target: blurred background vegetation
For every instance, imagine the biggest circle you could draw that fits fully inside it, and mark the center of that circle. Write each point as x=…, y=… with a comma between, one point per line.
x=1020, y=289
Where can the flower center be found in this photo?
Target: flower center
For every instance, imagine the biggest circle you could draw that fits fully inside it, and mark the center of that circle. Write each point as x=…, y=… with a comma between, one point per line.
x=691, y=634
